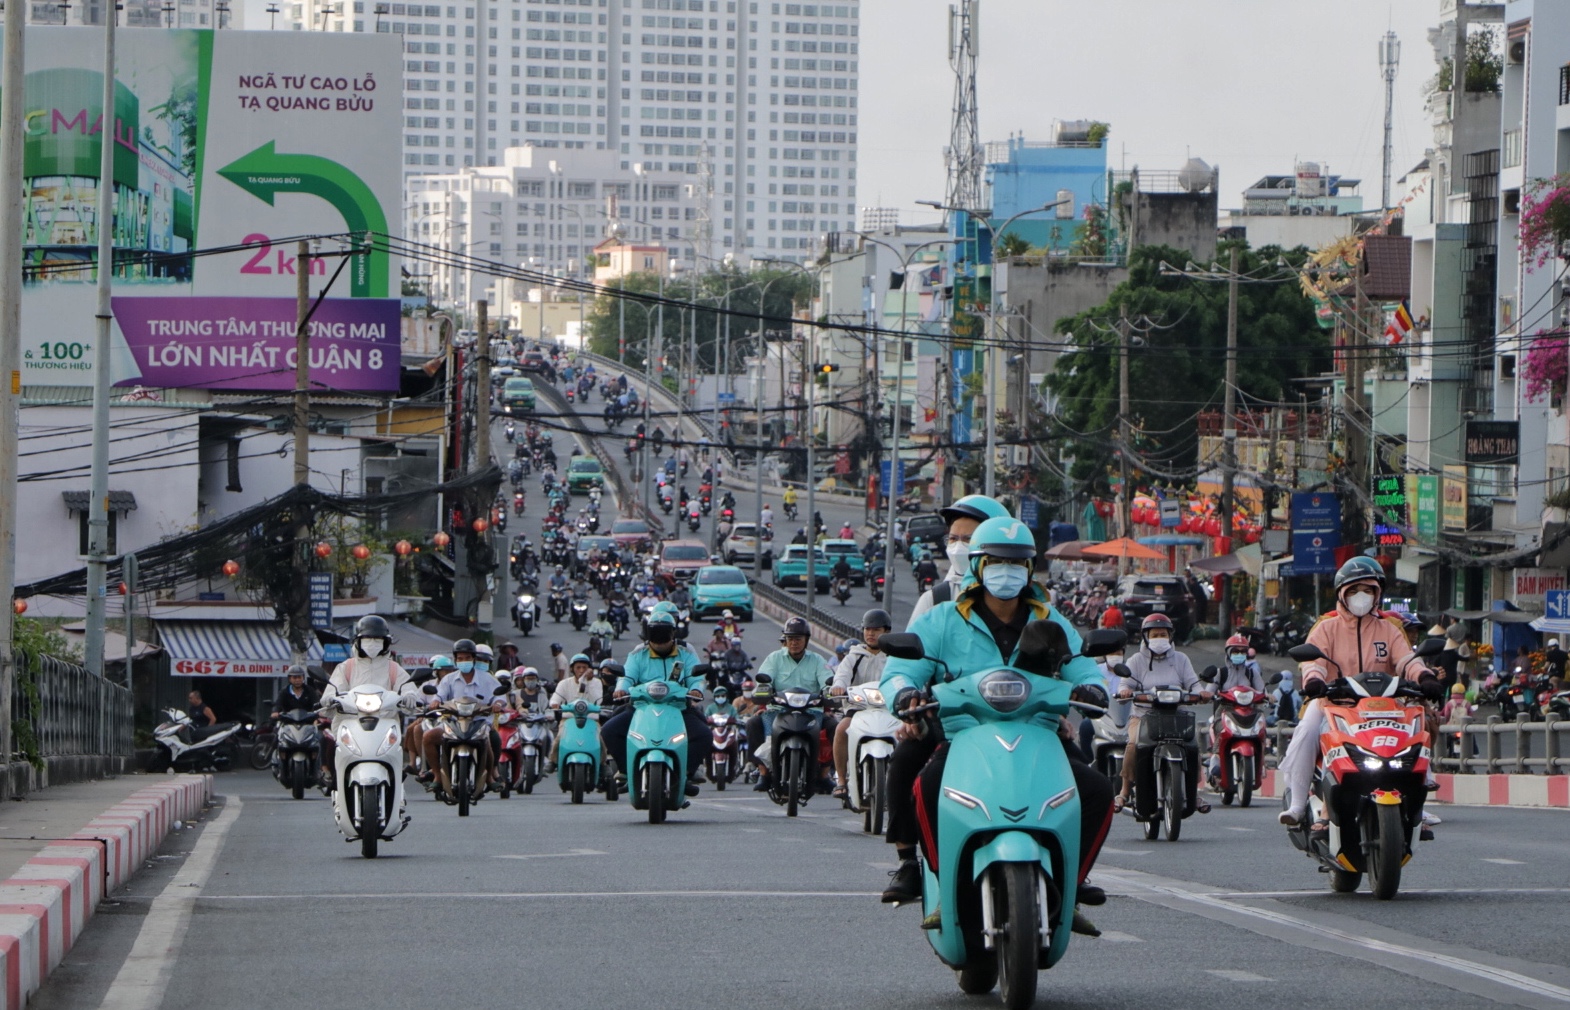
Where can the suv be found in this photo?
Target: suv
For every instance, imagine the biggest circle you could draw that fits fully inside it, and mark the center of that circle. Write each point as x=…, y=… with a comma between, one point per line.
x=518, y=395
x=682, y=559
x=584, y=473
x=533, y=361
x=1143, y=595
x=927, y=528
x=742, y=544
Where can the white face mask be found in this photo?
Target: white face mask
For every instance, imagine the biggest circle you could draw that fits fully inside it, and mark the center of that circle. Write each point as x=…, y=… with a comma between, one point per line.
x=1360, y=604
x=959, y=559
x=1160, y=646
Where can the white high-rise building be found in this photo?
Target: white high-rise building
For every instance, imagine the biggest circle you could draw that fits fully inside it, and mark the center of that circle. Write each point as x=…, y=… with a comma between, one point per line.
x=225, y=14
x=752, y=101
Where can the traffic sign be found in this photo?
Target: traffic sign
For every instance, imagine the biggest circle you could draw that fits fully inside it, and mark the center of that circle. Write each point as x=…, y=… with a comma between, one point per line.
x=1314, y=553
x=335, y=652
x=1029, y=510
x=1315, y=512
x=1557, y=603
x=1171, y=513
x=322, y=600
x=899, y=482
x=725, y=398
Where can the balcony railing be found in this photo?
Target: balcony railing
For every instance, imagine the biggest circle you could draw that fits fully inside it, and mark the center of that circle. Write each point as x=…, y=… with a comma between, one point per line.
x=1564, y=84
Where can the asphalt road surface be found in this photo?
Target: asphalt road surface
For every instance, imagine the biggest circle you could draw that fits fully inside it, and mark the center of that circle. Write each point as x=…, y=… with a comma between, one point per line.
x=535, y=903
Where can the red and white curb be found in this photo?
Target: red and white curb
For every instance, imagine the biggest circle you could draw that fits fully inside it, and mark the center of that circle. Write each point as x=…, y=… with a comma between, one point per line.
x=46, y=905
x=1484, y=790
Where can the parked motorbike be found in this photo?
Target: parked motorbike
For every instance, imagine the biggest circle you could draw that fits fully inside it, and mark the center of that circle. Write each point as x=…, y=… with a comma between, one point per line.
x=1007, y=827
x=581, y=769
x=1369, y=785
x=368, y=803
x=1237, y=734
x=297, y=750
x=186, y=747
x=869, y=743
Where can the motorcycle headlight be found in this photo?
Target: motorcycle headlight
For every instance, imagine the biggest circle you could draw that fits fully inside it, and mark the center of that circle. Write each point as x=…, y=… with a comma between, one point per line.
x=872, y=695
x=1004, y=690
x=525, y=601
x=797, y=699
x=659, y=690
x=346, y=741
x=369, y=704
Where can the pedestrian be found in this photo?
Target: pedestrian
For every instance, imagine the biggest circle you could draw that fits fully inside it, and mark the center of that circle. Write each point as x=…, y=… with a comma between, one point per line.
x=1112, y=616
x=1196, y=589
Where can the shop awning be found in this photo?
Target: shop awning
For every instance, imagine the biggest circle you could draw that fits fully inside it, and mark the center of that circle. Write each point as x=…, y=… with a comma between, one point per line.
x=1552, y=625
x=228, y=648
x=1223, y=564
x=1497, y=616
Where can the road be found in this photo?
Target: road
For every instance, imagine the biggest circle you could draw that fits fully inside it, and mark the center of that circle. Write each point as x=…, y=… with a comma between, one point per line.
x=534, y=902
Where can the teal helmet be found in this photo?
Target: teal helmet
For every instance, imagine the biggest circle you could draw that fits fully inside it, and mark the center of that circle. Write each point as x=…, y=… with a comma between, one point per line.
x=581, y=658
x=665, y=607
x=973, y=506
x=660, y=617
x=1361, y=568
x=1002, y=537
x=441, y=663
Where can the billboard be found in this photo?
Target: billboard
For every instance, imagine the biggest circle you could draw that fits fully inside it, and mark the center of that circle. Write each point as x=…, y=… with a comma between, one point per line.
x=222, y=139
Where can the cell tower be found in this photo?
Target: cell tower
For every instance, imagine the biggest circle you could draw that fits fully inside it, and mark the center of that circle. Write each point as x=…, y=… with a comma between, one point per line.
x=964, y=152
x=1389, y=63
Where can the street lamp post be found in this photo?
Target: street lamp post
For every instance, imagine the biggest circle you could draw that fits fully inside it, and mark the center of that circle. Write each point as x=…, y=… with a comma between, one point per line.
x=757, y=407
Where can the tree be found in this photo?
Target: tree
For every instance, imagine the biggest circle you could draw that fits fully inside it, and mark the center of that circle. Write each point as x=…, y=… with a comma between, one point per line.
x=1484, y=65
x=786, y=289
x=1012, y=245
x=1179, y=369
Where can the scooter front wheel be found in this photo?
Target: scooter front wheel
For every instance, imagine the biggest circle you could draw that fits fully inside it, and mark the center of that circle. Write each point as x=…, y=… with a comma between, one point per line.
x=297, y=777
x=979, y=977
x=792, y=783
x=1245, y=782
x=579, y=774
x=655, y=791
x=1384, y=842
x=369, y=800
x=1019, y=942
x=1175, y=798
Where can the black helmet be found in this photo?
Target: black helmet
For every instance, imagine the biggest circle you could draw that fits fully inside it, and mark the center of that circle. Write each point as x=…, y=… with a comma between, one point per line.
x=877, y=618
x=796, y=626
x=372, y=626
x=463, y=645
x=295, y=671
x=555, y=648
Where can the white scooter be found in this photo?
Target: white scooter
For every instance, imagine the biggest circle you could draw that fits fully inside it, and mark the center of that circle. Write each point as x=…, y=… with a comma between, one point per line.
x=185, y=747
x=869, y=742
x=368, y=731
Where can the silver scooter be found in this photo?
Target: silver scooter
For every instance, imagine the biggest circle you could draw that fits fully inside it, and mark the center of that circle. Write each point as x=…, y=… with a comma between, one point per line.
x=186, y=747
x=368, y=760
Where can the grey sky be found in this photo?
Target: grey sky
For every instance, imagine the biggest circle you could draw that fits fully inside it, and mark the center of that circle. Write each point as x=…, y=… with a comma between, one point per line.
x=1249, y=85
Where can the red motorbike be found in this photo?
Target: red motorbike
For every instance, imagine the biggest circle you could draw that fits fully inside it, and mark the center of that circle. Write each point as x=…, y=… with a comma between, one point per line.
x=1237, y=736
x=509, y=767
x=517, y=504
x=725, y=758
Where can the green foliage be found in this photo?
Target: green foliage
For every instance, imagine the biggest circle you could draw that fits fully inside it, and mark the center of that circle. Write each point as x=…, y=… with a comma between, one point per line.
x=1097, y=134
x=36, y=638
x=1484, y=64
x=786, y=289
x=350, y=574
x=1180, y=369
x=1012, y=245
x=1091, y=242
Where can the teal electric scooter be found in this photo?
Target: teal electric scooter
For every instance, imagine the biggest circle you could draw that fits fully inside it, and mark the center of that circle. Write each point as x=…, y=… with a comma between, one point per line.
x=580, y=763
x=1007, y=826
x=657, y=748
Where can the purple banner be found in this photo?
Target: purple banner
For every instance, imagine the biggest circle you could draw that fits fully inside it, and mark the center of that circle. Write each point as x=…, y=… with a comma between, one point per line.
x=249, y=343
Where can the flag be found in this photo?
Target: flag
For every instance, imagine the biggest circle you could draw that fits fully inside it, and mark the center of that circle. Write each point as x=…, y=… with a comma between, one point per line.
x=1400, y=324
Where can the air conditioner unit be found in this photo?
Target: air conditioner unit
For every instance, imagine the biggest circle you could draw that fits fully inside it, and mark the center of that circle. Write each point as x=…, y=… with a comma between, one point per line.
x=1515, y=52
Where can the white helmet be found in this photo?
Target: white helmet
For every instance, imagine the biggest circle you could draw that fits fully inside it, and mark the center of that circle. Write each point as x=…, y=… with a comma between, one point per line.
x=1553, y=643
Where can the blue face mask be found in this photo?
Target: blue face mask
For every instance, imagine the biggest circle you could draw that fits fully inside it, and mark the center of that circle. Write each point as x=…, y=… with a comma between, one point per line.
x=466, y=666
x=1005, y=581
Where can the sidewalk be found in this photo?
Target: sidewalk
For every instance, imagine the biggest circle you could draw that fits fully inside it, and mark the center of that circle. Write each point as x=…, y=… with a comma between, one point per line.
x=66, y=848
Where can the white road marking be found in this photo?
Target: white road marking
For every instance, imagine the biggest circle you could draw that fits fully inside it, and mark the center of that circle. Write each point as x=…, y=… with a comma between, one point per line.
x=1229, y=828
x=1237, y=976
x=753, y=831
x=1505, y=862
x=1125, y=852
x=1113, y=936
x=1463, y=974
x=556, y=855
x=143, y=978
x=531, y=895
x=1319, y=892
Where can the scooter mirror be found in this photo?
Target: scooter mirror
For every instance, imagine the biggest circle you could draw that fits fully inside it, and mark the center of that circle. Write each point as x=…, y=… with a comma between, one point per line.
x=428, y=688
x=1305, y=652
x=902, y=645
x=500, y=690
x=703, y=670
x=1104, y=642
x=1275, y=678
x=1430, y=647
x=1209, y=674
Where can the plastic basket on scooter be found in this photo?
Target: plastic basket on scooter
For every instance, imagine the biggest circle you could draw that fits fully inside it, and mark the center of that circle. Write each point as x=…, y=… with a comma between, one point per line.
x=1165, y=724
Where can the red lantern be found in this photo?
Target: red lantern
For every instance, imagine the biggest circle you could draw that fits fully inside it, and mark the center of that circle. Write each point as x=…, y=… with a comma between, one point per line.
x=1251, y=535
x=1103, y=509
x=125, y=590
x=1185, y=525
x=480, y=525
x=1212, y=527
x=231, y=568
x=441, y=539
x=360, y=552
x=19, y=605
x=403, y=548
x=324, y=549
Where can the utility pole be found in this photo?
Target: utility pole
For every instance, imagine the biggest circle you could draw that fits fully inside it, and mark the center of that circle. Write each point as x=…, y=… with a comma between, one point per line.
x=1124, y=521
x=98, y=495
x=482, y=385
x=1353, y=412
x=1229, y=440
x=11, y=112
x=302, y=447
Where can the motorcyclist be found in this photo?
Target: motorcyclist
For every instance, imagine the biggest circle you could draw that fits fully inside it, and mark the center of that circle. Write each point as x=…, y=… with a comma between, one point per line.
x=998, y=619
x=720, y=705
x=1157, y=663
x=528, y=693
x=1355, y=638
x=660, y=658
x=1239, y=670
x=863, y=664
x=470, y=679
x=841, y=570
x=793, y=667
x=296, y=693
x=926, y=569
x=602, y=627
x=558, y=579
x=962, y=518
x=735, y=661
x=370, y=663
x=789, y=498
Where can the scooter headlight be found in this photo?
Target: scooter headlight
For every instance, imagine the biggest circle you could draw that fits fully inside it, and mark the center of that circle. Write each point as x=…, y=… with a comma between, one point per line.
x=346, y=741
x=1004, y=690
x=1169, y=696
x=797, y=699
x=369, y=704
x=872, y=695
x=678, y=738
x=658, y=690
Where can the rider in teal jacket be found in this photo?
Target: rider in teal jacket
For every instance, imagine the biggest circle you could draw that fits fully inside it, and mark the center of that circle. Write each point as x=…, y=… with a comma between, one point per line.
x=643, y=666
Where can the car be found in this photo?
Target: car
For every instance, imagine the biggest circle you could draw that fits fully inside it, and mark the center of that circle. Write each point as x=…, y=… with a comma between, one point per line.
x=927, y=528
x=719, y=588
x=742, y=544
x=1143, y=595
x=790, y=568
x=583, y=473
x=631, y=534
x=682, y=559
x=518, y=395
x=589, y=543
x=851, y=552
x=533, y=361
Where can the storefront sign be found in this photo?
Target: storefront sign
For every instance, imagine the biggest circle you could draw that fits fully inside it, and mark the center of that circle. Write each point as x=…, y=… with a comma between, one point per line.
x=1532, y=585
x=1390, y=508
x=1452, y=509
x=1424, y=493
x=230, y=667
x=1493, y=441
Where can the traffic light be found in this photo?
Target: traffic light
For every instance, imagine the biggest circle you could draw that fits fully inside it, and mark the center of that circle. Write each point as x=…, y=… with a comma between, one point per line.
x=826, y=369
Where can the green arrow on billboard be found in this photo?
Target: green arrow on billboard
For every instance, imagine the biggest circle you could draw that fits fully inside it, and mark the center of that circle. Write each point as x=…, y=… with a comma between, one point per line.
x=264, y=173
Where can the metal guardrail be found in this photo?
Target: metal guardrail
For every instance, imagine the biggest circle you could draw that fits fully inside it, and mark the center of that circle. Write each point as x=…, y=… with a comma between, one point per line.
x=630, y=502
x=670, y=400
x=1478, y=746
x=75, y=713
x=840, y=628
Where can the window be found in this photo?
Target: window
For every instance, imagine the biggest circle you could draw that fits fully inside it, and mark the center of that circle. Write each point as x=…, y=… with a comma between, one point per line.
x=81, y=532
x=232, y=461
